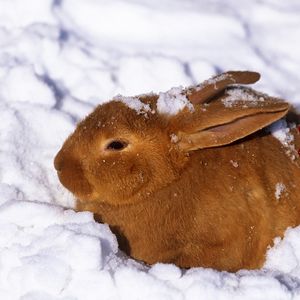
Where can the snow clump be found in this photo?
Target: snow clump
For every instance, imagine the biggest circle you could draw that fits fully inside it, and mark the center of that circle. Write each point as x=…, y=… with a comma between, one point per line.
x=173, y=101
x=281, y=131
x=241, y=94
x=214, y=81
x=134, y=103
x=279, y=189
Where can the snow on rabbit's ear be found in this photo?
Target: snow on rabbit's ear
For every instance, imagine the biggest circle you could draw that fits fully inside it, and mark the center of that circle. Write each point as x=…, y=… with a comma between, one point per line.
x=217, y=124
x=209, y=88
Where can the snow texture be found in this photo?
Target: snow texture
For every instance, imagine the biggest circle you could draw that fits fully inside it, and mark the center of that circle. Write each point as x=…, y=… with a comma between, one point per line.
x=282, y=131
x=214, y=80
x=234, y=163
x=134, y=103
x=235, y=95
x=60, y=58
x=279, y=189
x=173, y=101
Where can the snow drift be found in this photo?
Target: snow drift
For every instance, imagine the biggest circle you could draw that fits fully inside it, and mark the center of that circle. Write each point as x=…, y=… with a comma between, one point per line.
x=58, y=59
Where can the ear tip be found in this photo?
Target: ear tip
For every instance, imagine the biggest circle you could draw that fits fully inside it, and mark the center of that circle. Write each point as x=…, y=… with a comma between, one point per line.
x=245, y=77
x=254, y=75
x=288, y=106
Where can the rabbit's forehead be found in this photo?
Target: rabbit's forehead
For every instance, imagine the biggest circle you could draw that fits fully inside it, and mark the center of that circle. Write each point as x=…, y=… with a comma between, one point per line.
x=104, y=117
x=116, y=120
x=108, y=121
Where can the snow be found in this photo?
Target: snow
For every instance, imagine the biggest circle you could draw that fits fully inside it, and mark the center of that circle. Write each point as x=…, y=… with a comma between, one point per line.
x=236, y=94
x=174, y=138
x=58, y=59
x=165, y=271
x=282, y=131
x=279, y=189
x=33, y=244
x=214, y=80
x=234, y=163
x=173, y=101
x=134, y=103
x=25, y=77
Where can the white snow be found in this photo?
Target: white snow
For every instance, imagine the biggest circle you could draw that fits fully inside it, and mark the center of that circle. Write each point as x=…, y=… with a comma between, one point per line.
x=46, y=249
x=214, y=80
x=134, y=103
x=174, y=138
x=24, y=92
x=279, y=189
x=234, y=163
x=173, y=101
x=238, y=94
x=58, y=59
x=281, y=131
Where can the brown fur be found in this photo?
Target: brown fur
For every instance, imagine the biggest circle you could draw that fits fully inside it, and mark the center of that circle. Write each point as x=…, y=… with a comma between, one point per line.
x=169, y=202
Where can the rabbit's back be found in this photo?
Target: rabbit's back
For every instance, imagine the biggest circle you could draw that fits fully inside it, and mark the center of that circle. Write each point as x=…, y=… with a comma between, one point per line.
x=249, y=195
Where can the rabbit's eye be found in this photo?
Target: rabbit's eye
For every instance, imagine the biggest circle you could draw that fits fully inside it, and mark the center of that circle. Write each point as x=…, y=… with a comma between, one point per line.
x=116, y=145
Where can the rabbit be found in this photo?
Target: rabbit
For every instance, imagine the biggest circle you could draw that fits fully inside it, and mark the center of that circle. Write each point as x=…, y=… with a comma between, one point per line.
x=206, y=186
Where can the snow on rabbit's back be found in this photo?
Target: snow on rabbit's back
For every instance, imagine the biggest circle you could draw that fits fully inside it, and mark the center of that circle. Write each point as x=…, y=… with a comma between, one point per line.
x=187, y=176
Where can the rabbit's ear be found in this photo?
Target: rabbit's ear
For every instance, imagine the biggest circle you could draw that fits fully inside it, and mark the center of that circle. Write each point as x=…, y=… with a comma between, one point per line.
x=220, y=123
x=210, y=88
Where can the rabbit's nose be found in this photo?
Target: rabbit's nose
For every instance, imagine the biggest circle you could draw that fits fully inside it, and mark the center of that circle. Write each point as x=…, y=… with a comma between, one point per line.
x=58, y=162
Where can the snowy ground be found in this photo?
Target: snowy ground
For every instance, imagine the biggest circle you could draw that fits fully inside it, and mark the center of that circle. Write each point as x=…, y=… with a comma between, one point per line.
x=60, y=58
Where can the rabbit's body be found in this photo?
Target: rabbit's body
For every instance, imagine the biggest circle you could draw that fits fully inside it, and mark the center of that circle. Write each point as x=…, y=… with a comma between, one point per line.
x=205, y=187
x=226, y=221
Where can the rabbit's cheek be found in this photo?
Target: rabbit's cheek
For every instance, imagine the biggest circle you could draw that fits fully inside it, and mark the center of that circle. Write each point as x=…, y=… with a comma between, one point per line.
x=117, y=180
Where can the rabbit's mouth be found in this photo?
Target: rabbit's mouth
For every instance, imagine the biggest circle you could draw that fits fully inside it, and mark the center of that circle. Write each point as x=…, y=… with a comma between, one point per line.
x=75, y=183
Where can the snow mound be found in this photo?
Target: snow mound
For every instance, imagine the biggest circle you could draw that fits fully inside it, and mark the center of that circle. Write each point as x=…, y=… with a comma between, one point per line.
x=58, y=60
x=46, y=249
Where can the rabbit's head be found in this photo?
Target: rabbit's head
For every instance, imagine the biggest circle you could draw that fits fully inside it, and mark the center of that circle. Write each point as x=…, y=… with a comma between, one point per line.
x=119, y=154
x=116, y=155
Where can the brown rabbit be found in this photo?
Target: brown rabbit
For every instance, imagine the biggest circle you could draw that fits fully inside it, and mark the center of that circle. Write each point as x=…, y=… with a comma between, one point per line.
x=202, y=187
